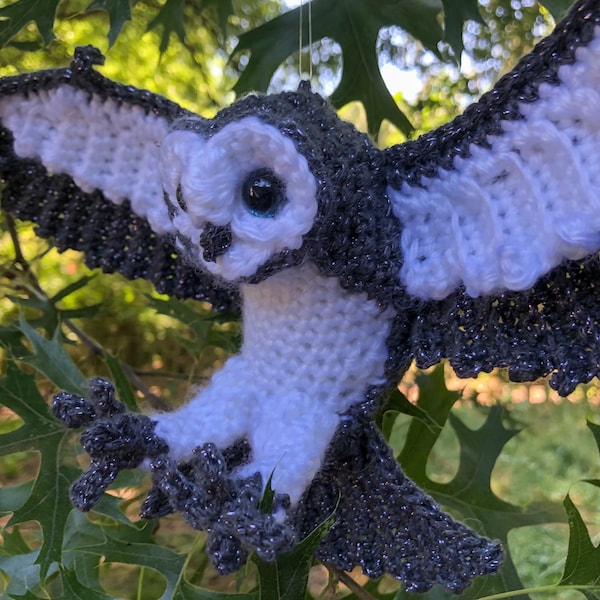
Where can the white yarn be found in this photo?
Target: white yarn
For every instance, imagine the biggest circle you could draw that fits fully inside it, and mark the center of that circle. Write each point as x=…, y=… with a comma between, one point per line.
x=309, y=352
x=97, y=142
x=505, y=216
x=211, y=173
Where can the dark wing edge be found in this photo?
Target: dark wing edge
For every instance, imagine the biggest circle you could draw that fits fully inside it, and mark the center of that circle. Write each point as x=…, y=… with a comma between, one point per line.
x=383, y=522
x=501, y=220
x=79, y=157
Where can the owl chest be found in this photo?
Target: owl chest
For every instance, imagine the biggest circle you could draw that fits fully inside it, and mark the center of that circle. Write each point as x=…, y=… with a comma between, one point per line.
x=304, y=336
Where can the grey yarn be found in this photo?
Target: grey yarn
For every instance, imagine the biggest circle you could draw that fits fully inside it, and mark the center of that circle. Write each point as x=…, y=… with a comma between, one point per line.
x=383, y=522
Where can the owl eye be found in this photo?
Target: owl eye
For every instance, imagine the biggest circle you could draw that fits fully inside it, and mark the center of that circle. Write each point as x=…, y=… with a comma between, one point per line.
x=263, y=193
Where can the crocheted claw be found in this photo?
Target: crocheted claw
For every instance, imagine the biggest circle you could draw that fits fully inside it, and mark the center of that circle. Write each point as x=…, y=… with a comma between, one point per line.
x=210, y=499
x=204, y=489
x=115, y=439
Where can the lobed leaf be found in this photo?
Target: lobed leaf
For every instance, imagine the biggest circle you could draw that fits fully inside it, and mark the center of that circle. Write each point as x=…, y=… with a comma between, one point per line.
x=51, y=359
x=583, y=558
x=119, y=12
x=456, y=12
x=170, y=19
x=16, y=16
x=47, y=502
x=469, y=495
x=286, y=578
x=355, y=25
x=74, y=590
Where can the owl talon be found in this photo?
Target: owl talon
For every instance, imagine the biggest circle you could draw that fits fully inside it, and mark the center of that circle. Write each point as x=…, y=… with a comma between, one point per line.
x=115, y=439
x=203, y=488
x=210, y=498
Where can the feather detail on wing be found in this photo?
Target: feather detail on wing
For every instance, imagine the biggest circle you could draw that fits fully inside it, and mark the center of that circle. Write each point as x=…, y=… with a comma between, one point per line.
x=500, y=212
x=79, y=156
x=505, y=193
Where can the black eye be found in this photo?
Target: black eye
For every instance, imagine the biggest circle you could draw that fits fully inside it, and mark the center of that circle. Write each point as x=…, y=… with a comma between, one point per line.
x=263, y=193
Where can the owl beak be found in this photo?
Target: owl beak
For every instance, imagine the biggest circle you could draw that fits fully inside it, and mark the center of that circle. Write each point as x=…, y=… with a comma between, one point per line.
x=215, y=240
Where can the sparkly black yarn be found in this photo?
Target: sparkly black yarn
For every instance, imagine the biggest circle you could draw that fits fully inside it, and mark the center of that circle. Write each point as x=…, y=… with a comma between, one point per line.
x=111, y=236
x=210, y=499
x=115, y=439
x=203, y=489
x=384, y=523
x=551, y=329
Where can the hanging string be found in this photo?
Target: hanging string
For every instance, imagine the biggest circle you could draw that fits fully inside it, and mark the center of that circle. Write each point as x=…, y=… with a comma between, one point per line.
x=300, y=33
x=310, y=41
x=301, y=40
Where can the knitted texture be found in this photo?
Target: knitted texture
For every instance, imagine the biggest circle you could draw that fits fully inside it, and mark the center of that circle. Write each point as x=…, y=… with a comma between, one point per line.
x=202, y=489
x=502, y=217
x=477, y=242
x=386, y=524
x=270, y=376
x=102, y=223
x=204, y=178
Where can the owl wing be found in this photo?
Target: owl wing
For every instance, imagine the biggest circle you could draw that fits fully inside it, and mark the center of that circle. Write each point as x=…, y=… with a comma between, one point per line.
x=79, y=157
x=500, y=214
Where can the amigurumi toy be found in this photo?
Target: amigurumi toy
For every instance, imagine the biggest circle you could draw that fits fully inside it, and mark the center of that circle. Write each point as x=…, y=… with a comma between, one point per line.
x=477, y=242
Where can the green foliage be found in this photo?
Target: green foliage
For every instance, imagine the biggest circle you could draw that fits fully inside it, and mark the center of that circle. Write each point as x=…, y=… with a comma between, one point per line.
x=286, y=578
x=355, y=28
x=60, y=330
x=355, y=25
x=582, y=566
x=118, y=11
x=16, y=16
x=469, y=492
x=65, y=558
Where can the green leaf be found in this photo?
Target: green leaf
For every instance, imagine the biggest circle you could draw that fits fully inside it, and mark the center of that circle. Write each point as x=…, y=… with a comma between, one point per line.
x=122, y=385
x=19, y=393
x=48, y=320
x=83, y=312
x=355, y=25
x=200, y=322
x=130, y=544
x=187, y=591
x=74, y=590
x=51, y=359
x=468, y=496
x=170, y=18
x=16, y=16
x=12, y=497
x=456, y=12
x=583, y=558
x=266, y=502
x=119, y=12
x=23, y=572
x=71, y=288
x=13, y=542
x=595, y=429
x=286, y=577
x=557, y=8
x=48, y=502
x=436, y=401
x=397, y=403
x=223, y=8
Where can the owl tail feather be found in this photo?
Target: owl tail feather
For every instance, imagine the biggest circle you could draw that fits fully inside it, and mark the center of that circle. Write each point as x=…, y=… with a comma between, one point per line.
x=385, y=523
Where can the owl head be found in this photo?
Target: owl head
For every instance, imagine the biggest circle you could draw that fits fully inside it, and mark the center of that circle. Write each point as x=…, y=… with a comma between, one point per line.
x=253, y=190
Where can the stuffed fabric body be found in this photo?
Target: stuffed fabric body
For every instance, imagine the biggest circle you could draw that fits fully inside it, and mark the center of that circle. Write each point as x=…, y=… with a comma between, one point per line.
x=477, y=243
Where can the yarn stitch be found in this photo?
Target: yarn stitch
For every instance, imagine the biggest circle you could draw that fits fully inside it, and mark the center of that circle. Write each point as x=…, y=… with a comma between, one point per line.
x=502, y=217
x=349, y=274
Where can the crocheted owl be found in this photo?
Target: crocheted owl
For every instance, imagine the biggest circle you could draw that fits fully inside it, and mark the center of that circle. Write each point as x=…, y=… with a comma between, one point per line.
x=477, y=242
